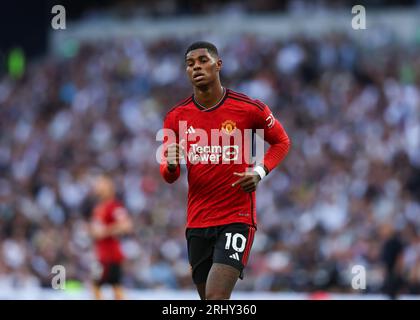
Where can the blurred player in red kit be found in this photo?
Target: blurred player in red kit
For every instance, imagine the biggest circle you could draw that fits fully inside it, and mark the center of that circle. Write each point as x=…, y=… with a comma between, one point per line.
x=110, y=220
x=221, y=215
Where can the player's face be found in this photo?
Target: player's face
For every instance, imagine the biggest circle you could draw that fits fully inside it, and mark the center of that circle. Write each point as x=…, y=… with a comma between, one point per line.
x=202, y=68
x=103, y=188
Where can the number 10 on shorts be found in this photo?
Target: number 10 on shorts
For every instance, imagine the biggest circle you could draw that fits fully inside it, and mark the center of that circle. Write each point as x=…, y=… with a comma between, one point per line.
x=234, y=241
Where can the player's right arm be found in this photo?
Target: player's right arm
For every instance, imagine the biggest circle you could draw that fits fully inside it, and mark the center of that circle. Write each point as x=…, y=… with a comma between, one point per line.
x=171, y=152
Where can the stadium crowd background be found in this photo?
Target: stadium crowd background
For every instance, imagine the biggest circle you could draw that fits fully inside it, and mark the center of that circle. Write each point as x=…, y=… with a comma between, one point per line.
x=350, y=182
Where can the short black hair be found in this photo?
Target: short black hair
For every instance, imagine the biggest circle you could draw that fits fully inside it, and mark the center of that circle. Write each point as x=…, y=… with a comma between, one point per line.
x=203, y=45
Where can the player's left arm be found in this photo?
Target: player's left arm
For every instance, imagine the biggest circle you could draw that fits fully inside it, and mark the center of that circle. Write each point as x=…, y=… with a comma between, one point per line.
x=279, y=141
x=123, y=223
x=97, y=230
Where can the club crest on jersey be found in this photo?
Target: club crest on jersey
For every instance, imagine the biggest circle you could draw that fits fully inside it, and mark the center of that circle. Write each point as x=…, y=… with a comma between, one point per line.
x=228, y=126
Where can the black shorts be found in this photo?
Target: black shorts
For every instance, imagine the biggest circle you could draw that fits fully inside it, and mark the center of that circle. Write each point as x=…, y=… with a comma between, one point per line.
x=108, y=273
x=226, y=244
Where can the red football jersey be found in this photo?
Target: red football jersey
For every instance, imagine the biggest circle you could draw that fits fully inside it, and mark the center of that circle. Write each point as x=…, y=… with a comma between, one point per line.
x=108, y=250
x=229, y=126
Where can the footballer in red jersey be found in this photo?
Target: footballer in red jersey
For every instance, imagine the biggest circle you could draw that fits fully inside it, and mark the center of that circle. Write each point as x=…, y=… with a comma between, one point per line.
x=213, y=131
x=110, y=220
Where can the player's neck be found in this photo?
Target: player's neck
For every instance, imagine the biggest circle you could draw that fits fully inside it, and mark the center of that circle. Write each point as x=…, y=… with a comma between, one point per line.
x=107, y=198
x=209, y=96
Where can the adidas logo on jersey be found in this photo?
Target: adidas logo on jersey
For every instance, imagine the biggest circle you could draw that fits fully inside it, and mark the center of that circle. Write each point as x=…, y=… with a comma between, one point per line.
x=190, y=130
x=234, y=256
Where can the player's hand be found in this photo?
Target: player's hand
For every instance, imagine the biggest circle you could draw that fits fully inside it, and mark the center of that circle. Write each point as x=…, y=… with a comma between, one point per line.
x=98, y=230
x=248, y=180
x=174, y=154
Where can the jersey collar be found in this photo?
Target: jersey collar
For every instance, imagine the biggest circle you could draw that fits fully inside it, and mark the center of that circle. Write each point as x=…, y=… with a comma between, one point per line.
x=217, y=105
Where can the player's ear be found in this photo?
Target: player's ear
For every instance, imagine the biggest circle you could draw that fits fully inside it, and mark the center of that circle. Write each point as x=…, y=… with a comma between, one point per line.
x=219, y=64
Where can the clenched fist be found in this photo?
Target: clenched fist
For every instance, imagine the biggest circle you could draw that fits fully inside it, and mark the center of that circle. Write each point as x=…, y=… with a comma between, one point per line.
x=174, y=153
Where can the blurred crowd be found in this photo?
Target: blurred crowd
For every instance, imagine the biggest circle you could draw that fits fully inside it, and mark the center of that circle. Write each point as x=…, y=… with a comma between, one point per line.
x=165, y=8
x=347, y=195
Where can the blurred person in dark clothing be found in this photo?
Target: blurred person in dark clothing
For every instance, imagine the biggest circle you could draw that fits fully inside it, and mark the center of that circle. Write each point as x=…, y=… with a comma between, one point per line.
x=392, y=257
